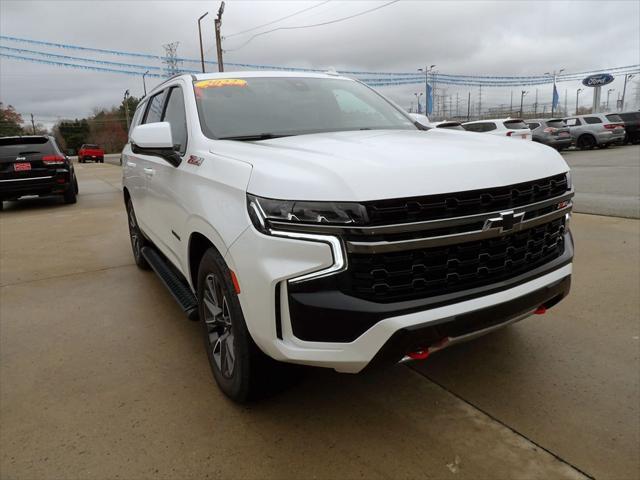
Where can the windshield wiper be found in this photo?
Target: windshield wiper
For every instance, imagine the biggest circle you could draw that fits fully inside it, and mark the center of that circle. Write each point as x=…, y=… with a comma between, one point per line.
x=261, y=136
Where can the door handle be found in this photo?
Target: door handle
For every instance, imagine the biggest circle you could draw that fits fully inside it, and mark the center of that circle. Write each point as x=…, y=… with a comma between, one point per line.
x=131, y=164
x=149, y=171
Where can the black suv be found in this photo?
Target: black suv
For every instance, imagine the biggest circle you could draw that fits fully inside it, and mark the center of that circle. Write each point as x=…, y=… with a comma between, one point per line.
x=35, y=165
x=631, y=125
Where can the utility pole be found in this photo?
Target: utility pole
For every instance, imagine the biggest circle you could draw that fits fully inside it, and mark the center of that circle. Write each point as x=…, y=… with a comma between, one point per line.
x=469, y=106
x=535, y=105
x=511, y=107
x=566, y=110
x=126, y=107
x=577, y=99
x=480, y=103
x=457, y=106
x=200, y=36
x=33, y=124
x=522, y=94
x=171, y=58
x=218, y=24
x=624, y=89
x=144, y=84
x=450, y=109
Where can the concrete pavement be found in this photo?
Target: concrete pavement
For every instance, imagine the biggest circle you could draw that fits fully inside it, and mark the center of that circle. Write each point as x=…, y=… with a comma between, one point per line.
x=103, y=377
x=607, y=181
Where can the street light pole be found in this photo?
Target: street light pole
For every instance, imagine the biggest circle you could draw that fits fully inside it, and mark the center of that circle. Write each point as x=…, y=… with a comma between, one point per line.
x=577, y=99
x=418, y=100
x=200, y=35
x=522, y=94
x=426, y=71
x=608, y=95
x=624, y=89
x=144, y=84
x=554, y=75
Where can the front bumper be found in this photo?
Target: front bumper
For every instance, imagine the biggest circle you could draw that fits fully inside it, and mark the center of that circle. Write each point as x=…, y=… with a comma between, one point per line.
x=362, y=332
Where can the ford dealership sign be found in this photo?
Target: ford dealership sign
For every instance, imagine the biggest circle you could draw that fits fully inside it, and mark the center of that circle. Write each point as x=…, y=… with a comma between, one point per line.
x=598, y=80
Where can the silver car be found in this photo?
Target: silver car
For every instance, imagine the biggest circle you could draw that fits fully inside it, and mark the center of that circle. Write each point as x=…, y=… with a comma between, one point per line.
x=596, y=129
x=551, y=131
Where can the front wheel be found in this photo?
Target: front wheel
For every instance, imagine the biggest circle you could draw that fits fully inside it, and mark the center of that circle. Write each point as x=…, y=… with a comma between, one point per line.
x=239, y=367
x=586, y=142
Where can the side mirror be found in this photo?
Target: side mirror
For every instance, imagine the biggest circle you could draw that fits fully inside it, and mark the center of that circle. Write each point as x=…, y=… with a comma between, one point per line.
x=155, y=139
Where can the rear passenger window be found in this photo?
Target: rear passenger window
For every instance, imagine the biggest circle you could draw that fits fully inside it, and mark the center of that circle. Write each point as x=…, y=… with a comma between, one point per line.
x=154, y=113
x=533, y=126
x=592, y=120
x=177, y=118
x=572, y=122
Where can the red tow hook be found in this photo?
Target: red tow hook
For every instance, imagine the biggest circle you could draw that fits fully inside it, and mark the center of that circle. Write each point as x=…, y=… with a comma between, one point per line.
x=541, y=310
x=419, y=355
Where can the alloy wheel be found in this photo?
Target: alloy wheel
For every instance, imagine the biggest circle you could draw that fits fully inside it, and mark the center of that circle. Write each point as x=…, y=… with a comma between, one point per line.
x=217, y=319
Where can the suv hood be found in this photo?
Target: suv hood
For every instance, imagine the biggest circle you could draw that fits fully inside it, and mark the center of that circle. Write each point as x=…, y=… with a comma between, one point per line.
x=373, y=165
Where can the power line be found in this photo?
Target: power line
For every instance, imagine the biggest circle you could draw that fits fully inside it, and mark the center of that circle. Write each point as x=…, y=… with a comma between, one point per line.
x=277, y=20
x=314, y=25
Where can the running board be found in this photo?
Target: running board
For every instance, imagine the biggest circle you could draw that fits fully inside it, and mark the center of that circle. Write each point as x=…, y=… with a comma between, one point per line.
x=178, y=288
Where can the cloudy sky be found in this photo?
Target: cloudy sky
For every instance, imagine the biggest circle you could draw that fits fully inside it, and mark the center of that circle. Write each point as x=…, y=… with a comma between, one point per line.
x=460, y=37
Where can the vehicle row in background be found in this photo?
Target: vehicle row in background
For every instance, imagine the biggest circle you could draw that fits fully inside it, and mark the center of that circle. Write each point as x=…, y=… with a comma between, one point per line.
x=35, y=165
x=90, y=152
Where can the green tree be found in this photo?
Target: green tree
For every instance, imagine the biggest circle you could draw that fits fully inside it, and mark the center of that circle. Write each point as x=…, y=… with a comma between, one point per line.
x=73, y=132
x=10, y=121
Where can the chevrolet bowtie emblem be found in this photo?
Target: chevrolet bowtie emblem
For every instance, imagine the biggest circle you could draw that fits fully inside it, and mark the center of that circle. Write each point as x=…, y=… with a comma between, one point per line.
x=506, y=222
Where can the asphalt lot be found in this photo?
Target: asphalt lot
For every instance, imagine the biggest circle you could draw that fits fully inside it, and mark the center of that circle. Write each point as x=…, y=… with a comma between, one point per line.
x=102, y=377
x=607, y=181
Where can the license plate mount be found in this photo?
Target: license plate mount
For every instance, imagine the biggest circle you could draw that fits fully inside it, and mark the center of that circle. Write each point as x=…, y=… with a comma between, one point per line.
x=22, y=166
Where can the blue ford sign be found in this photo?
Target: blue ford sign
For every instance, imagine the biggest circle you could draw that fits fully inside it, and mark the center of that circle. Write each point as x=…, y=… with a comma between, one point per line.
x=598, y=80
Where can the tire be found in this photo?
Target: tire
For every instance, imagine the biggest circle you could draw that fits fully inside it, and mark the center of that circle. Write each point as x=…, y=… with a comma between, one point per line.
x=71, y=195
x=137, y=239
x=239, y=367
x=586, y=142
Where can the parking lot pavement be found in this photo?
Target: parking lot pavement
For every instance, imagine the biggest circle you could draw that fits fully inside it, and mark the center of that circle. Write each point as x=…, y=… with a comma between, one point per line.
x=103, y=377
x=607, y=181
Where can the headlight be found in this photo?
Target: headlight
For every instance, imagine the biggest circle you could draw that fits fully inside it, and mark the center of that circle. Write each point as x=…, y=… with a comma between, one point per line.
x=569, y=181
x=262, y=210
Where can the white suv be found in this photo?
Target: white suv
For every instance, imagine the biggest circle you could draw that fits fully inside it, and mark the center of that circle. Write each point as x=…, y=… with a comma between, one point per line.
x=503, y=127
x=306, y=219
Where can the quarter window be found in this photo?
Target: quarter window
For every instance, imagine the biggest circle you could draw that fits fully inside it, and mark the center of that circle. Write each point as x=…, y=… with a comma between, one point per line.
x=572, y=122
x=154, y=112
x=592, y=120
x=533, y=126
x=176, y=116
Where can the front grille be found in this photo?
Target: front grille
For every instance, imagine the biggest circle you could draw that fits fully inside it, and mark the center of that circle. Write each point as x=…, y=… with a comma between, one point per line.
x=414, y=274
x=414, y=209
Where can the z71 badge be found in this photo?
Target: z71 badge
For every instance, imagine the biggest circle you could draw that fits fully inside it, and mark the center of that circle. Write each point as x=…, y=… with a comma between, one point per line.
x=197, y=161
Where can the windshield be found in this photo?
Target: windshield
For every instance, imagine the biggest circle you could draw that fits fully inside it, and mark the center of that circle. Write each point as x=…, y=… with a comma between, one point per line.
x=267, y=107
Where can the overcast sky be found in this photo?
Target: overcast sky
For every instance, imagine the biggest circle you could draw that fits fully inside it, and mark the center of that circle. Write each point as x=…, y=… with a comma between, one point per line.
x=461, y=37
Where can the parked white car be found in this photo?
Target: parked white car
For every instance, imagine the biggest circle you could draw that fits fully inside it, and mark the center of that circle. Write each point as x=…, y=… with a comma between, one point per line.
x=304, y=218
x=503, y=127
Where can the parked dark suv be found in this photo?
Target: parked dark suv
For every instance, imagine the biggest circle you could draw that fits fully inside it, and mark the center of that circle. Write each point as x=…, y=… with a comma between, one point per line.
x=631, y=125
x=35, y=165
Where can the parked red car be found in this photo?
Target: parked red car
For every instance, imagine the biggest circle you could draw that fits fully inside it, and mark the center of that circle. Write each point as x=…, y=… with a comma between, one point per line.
x=90, y=152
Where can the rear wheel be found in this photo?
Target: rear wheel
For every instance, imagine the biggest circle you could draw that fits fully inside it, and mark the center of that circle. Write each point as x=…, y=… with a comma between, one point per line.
x=239, y=367
x=71, y=195
x=137, y=239
x=586, y=142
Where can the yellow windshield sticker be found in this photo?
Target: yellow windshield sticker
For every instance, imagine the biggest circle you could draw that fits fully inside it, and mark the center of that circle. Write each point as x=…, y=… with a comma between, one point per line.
x=221, y=82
